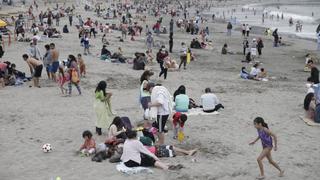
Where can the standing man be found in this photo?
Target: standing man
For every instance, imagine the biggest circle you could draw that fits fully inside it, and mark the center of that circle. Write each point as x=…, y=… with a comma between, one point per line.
x=34, y=51
x=35, y=69
x=171, y=28
x=55, y=61
x=70, y=17
x=318, y=42
x=161, y=104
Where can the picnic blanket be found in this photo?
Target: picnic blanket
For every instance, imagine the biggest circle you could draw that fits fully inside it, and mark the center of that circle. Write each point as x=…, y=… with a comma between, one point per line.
x=135, y=170
x=199, y=111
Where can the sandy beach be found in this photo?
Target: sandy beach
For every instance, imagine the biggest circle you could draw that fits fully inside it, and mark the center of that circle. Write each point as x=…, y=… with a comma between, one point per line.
x=31, y=117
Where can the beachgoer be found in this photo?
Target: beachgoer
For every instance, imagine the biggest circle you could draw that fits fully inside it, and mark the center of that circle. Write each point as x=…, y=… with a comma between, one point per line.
x=161, y=55
x=260, y=46
x=183, y=55
x=310, y=106
x=116, y=129
x=314, y=75
x=181, y=99
x=248, y=28
x=35, y=68
x=276, y=38
x=82, y=66
x=62, y=79
x=245, y=45
x=178, y=122
x=255, y=70
x=89, y=146
x=253, y=49
x=135, y=154
x=105, y=53
x=266, y=136
x=243, y=30
x=86, y=44
x=74, y=74
x=224, y=49
x=54, y=61
x=102, y=107
x=145, y=96
x=318, y=40
x=161, y=103
x=47, y=59
x=210, y=102
x=229, y=29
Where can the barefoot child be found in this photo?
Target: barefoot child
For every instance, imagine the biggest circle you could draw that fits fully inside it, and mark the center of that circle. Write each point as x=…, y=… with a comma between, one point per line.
x=82, y=66
x=89, y=146
x=265, y=135
x=178, y=123
x=62, y=79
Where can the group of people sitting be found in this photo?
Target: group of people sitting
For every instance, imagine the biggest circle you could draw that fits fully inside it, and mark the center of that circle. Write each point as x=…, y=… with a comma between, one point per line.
x=132, y=146
x=10, y=76
x=256, y=73
x=209, y=101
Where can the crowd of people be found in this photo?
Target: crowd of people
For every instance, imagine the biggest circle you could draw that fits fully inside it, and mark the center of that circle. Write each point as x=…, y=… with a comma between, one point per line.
x=142, y=145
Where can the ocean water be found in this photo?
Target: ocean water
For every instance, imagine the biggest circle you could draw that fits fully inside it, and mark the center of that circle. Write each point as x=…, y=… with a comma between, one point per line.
x=307, y=12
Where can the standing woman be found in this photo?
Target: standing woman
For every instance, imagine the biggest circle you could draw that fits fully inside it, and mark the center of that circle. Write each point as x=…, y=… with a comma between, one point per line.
x=102, y=107
x=74, y=74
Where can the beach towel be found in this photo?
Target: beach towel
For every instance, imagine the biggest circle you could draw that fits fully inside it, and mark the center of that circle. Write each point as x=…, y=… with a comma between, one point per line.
x=135, y=170
x=199, y=111
x=154, y=110
x=309, y=121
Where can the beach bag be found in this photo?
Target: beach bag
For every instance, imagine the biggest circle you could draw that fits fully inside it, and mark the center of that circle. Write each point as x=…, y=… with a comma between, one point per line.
x=74, y=76
x=188, y=58
x=164, y=151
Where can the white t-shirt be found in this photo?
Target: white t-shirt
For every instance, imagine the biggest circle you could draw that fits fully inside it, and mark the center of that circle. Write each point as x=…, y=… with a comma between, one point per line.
x=209, y=101
x=255, y=71
x=164, y=101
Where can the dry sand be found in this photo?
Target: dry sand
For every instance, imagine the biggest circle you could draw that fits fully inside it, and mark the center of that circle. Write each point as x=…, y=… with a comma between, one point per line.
x=30, y=117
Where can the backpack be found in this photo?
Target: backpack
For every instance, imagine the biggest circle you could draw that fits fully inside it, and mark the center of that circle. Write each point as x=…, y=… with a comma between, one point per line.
x=164, y=151
x=74, y=76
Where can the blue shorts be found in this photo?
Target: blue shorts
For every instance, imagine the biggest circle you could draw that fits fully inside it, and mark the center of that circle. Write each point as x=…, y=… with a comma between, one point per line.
x=53, y=68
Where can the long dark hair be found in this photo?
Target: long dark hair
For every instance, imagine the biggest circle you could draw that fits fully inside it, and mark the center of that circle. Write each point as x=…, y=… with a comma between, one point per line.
x=307, y=101
x=180, y=90
x=118, y=123
x=260, y=120
x=144, y=76
x=102, y=87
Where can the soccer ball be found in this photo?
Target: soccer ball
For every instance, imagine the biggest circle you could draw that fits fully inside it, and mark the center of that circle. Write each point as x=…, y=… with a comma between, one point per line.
x=46, y=148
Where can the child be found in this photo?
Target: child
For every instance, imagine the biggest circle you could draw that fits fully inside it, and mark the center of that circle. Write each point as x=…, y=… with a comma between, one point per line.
x=89, y=146
x=82, y=66
x=62, y=79
x=265, y=135
x=178, y=123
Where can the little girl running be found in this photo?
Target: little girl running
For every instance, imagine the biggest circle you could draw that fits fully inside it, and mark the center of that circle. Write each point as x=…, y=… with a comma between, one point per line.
x=63, y=78
x=265, y=135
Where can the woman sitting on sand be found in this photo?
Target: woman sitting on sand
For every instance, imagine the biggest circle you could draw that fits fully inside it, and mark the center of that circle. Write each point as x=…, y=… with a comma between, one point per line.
x=309, y=106
x=255, y=70
x=105, y=53
x=135, y=154
x=116, y=129
x=181, y=99
x=244, y=74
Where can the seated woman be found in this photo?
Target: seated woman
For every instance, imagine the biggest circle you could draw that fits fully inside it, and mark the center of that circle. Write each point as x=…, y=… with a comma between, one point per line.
x=210, y=102
x=244, y=74
x=262, y=75
x=117, y=129
x=105, y=53
x=65, y=29
x=309, y=106
x=135, y=154
x=181, y=99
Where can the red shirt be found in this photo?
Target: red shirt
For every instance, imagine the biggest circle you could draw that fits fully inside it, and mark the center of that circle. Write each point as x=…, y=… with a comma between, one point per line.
x=176, y=119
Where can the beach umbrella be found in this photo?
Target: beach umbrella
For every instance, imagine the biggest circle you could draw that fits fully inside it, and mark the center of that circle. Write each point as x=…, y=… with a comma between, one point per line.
x=2, y=23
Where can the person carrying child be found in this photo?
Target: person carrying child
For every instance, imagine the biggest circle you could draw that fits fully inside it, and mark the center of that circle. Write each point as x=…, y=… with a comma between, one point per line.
x=266, y=136
x=178, y=122
x=89, y=146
